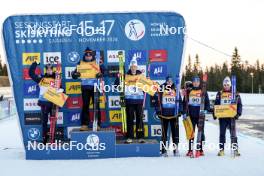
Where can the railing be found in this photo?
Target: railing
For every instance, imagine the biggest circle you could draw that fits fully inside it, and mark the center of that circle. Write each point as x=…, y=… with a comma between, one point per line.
x=7, y=108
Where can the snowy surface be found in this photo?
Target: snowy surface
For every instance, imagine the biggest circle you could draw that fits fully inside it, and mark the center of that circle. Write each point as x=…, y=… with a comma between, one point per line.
x=6, y=91
x=12, y=161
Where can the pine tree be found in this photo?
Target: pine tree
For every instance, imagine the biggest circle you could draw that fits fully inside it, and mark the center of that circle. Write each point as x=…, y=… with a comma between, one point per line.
x=4, y=72
x=236, y=68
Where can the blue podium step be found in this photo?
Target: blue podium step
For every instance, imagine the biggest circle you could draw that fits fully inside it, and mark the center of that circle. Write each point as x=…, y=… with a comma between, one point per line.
x=93, y=145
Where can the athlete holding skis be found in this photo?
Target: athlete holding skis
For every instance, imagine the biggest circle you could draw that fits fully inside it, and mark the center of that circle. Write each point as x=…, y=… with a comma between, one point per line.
x=224, y=97
x=87, y=87
x=165, y=106
x=45, y=82
x=133, y=102
x=192, y=101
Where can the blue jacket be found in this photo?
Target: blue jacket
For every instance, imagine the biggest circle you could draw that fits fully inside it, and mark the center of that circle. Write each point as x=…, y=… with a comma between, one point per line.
x=192, y=108
x=130, y=99
x=38, y=79
x=167, y=109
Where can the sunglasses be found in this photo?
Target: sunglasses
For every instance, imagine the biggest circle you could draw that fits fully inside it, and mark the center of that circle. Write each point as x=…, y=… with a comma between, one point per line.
x=88, y=54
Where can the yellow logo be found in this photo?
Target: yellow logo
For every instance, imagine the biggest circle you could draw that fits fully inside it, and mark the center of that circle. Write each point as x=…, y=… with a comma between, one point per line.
x=29, y=58
x=115, y=116
x=73, y=88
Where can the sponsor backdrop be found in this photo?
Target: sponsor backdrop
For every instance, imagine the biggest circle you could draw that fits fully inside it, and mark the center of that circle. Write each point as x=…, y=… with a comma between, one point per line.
x=152, y=38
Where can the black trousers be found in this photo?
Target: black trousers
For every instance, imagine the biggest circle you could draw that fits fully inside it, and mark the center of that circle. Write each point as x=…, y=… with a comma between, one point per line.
x=195, y=122
x=45, y=112
x=87, y=94
x=224, y=124
x=132, y=111
x=174, y=125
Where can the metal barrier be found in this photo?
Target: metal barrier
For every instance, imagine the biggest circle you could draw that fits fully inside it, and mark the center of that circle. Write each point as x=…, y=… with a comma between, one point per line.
x=7, y=108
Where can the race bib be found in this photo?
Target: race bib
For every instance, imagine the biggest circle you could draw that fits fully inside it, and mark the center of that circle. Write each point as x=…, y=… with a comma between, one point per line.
x=133, y=90
x=195, y=98
x=226, y=98
x=168, y=99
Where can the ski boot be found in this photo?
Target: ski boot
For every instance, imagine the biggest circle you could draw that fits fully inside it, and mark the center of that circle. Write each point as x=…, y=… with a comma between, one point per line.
x=176, y=153
x=84, y=128
x=221, y=153
x=141, y=141
x=190, y=154
x=198, y=153
x=164, y=154
x=129, y=141
x=201, y=152
x=235, y=153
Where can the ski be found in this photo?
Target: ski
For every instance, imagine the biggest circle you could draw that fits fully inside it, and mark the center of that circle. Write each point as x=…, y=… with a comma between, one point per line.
x=177, y=108
x=234, y=146
x=96, y=103
x=202, y=113
x=187, y=123
x=144, y=101
x=55, y=109
x=122, y=93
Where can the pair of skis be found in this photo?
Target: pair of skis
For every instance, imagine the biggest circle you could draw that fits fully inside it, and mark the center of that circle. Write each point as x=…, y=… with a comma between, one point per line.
x=121, y=58
x=177, y=110
x=187, y=123
x=55, y=109
x=96, y=103
x=234, y=146
x=201, y=117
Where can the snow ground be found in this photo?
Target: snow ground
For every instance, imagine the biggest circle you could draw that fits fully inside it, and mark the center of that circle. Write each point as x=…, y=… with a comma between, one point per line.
x=12, y=161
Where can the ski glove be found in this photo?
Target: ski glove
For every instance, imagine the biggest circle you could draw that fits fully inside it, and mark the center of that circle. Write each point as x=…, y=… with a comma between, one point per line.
x=158, y=113
x=236, y=117
x=76, y=75
x=184, y=116
x=203, y=112
x=214, y=117
x=99, y=75
x=179, y=114
x=122, y=102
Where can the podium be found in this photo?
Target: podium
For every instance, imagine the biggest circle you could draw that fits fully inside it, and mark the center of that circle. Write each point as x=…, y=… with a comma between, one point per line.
x=92, y=145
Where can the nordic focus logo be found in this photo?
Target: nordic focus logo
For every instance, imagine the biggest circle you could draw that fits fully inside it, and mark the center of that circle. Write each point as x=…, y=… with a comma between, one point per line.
x=93, y=140
x=135, y=30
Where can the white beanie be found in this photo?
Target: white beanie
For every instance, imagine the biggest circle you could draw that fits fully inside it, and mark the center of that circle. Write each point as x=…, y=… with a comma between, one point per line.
x=227, y=81
x=133, y=62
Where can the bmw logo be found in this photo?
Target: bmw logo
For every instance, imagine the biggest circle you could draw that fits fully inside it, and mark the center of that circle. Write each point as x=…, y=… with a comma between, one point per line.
x=33, y=134
x=73, y=57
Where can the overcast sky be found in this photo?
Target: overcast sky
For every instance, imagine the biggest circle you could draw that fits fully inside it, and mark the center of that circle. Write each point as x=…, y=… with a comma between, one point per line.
x=222, y=24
